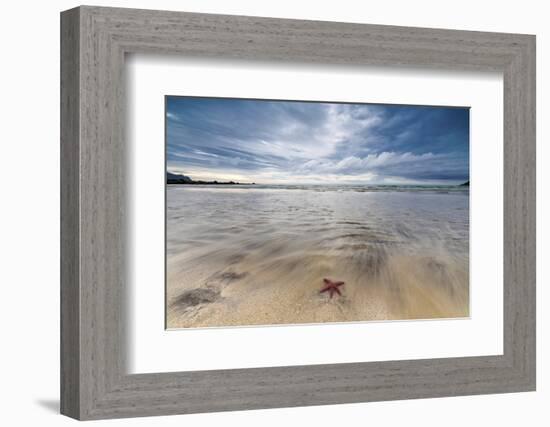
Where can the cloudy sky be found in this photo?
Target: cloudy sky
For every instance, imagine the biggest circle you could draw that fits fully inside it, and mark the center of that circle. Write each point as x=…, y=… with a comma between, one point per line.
x=278, y=142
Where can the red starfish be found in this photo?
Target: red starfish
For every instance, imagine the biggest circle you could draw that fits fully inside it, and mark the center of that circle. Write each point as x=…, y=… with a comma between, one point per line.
x=331, y=287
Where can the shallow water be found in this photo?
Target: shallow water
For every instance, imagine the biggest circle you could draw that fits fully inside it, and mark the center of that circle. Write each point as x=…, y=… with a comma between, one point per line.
x=250, y=255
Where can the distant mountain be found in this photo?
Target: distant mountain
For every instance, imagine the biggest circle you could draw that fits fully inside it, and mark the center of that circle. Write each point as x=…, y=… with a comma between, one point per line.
x=173, y=178
x=466, y=184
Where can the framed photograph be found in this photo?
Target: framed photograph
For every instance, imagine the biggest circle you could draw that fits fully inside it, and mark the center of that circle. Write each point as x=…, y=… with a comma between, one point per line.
x=314, y=212
x=262, y=213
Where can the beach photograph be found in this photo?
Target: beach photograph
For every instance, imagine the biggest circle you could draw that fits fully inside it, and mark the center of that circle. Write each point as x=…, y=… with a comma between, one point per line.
x=303, y=212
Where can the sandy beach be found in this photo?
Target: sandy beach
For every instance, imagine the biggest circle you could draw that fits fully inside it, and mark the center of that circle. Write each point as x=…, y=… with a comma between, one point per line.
x=257, y=255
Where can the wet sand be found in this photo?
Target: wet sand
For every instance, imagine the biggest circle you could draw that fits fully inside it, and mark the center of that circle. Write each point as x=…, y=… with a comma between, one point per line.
x=258, y=256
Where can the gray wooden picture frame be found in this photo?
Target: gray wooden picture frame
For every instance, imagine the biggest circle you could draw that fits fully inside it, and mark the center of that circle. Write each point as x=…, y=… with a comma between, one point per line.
x=94, y=381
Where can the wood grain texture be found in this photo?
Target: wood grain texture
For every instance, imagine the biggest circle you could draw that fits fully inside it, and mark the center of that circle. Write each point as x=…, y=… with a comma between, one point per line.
x=70, y=297
x=95, y=383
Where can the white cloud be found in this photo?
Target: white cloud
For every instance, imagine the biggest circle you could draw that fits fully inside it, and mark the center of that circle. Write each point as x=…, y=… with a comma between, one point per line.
x=172, y=116
x=354, y=165
x=369, y=169
x=297, y=140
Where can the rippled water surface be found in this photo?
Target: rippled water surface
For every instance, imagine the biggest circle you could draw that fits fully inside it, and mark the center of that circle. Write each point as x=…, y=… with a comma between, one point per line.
x=253, y=255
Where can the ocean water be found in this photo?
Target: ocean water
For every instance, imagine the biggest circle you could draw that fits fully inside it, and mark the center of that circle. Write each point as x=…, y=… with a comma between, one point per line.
x=257, y=255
